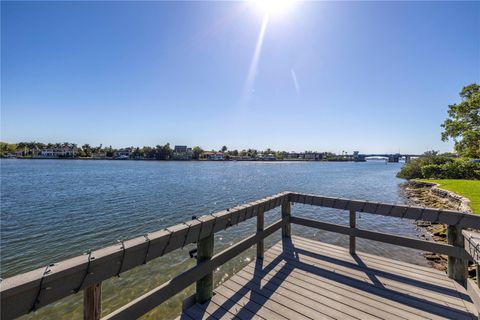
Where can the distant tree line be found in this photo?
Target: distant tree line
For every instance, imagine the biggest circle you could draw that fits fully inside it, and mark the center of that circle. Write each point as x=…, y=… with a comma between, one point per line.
x=159, y=152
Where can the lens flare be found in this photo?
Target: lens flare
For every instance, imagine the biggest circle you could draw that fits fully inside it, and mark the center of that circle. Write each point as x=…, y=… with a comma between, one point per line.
x=273, y=7
x=252, y=70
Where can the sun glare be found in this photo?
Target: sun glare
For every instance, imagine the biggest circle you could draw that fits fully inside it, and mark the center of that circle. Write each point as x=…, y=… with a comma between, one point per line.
x=273, y=6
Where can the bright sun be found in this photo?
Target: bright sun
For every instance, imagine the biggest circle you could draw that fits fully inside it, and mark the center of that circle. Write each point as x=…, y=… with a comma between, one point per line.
x=273, y=6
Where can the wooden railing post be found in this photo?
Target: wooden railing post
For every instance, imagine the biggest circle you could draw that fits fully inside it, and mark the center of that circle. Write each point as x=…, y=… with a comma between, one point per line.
x=205, y=285
x=353, y=218
x=457, y=268
x=260, y=227
x=92, y=302
x=286, y=213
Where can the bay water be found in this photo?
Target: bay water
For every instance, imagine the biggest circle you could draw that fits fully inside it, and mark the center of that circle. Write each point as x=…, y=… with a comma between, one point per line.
x=56, y=209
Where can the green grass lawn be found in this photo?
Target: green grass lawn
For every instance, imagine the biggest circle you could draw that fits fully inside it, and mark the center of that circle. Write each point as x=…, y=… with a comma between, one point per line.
x=467, y=188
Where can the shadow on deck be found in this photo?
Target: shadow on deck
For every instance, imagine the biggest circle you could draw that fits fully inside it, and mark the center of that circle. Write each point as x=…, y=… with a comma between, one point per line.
x=305, y=279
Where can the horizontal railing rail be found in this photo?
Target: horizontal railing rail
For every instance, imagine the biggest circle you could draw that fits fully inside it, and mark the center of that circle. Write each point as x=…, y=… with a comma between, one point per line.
x=449, y=217
x=385, y=238
x=30, y=291
x=458, y=251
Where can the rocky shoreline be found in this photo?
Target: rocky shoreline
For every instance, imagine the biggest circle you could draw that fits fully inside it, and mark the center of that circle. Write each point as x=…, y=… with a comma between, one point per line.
x=429, y=195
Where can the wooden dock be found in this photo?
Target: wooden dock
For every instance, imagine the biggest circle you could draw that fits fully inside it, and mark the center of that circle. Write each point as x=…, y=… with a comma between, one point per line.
x=307, y=279
x=297, y=278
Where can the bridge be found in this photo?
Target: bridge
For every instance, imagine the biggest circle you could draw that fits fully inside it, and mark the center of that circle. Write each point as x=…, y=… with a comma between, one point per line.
x=391, y=157
x=298, y=278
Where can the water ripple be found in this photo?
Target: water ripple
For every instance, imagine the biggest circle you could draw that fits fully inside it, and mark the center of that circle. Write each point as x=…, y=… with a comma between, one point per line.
x=52, y=210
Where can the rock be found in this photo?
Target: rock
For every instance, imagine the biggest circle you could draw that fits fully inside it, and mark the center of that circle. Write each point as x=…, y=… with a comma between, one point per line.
x=429, y=195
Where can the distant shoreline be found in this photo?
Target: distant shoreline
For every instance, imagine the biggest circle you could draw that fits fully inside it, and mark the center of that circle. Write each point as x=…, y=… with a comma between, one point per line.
x=194, y=160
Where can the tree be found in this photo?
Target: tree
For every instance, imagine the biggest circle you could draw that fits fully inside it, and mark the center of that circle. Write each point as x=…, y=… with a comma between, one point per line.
x=109, y=151
x=252, y=153
x=164, y=152
x=148, y=152
x=197, y=152
x=136, y=153
x=224, y=148
x=87, y=150
x=6, y=148
x=168, y=151
x=463, y=123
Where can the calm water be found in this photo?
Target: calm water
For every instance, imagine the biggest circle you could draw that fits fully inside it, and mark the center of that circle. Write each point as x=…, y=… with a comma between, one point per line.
x=56, y=209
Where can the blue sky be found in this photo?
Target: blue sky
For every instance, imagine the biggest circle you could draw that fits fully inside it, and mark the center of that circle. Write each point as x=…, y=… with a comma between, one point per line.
x=331, y=76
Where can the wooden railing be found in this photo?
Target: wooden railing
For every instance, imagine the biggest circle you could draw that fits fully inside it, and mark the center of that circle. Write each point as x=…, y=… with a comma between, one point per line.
x=463, y=245
x=472, y=246
x=27, y=292
x=24, y=293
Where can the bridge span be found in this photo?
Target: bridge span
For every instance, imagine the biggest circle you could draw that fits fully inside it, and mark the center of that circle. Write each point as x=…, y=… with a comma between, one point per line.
x=391, y=157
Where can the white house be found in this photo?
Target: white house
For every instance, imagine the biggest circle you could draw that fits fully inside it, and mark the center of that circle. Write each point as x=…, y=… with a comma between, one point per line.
x=58, y=153
x=214, y=156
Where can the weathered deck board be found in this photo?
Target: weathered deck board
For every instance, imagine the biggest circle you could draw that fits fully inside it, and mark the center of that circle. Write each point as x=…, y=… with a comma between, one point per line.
x=306, y=279
x=411, y=283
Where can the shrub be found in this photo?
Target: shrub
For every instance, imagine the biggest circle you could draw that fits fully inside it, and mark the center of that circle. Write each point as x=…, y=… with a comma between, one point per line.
x=432, y=171
x=440, y=167
x=413, y=169
x=467, y=169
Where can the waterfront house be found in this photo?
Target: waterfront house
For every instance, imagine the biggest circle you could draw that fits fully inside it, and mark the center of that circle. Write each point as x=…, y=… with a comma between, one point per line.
x=266, y=157
x=240, y=158
x=58, y=153
x=313, y=156
x=291, y=155
x=99, y=155
x=182, y=153
x=180, y=149
x=123, y=153
x=214, y=156
x=269, y=157
x=15, y=154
